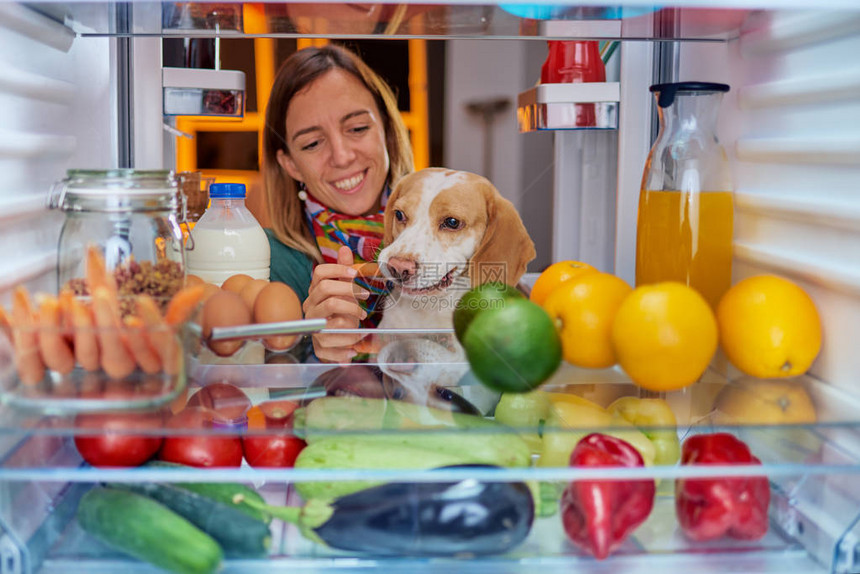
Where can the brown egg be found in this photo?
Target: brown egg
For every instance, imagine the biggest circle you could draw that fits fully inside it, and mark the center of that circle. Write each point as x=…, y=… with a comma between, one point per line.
x=191, y=280
x=250, y=291
x=224, y=309
x=235, y=282
x=210, y=289
x=277, y=302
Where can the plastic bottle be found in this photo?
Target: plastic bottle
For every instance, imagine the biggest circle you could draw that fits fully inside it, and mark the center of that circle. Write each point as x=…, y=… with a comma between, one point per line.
x=227, y=239
x=574, y=61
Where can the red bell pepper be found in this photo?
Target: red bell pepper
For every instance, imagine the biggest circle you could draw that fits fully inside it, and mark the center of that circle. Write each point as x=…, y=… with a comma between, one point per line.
x=598, y=515
x=714, y=507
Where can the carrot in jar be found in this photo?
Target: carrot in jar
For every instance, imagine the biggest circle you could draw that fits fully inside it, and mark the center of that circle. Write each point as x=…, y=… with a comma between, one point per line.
x=64, y=299
x=161, y=335
x=98, y=276
x=84, y=333
x=183, y=303
x=31, y=369
x=5, y=323
x=139, y=345
x=56, y=353
x=116, y=360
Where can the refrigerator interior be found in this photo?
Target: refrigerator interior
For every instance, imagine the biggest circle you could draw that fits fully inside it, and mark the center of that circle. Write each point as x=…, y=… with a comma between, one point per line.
x=80, y=84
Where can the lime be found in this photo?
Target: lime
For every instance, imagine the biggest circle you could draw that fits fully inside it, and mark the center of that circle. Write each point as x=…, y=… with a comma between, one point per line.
x=513, y=348
x=481, y=298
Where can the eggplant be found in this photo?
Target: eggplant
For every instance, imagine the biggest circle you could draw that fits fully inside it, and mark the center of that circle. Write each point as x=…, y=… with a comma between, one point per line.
x=428, y=519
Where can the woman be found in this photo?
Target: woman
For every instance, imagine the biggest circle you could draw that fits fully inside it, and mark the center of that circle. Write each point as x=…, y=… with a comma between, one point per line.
x=334, y=145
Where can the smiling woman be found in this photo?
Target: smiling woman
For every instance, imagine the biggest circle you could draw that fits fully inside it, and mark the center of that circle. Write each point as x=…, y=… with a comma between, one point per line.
x=334, y=146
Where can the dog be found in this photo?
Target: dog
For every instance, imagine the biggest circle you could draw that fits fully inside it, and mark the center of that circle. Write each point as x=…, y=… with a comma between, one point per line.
x=445, y=232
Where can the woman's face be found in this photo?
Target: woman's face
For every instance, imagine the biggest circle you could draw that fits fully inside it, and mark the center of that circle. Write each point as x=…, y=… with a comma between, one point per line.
x=336, y=143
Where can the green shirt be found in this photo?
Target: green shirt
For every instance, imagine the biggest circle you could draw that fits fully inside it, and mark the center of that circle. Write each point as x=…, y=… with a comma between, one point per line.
x=289, y=266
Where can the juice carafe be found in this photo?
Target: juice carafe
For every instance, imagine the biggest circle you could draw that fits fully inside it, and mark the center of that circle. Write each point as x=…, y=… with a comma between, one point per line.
x=684, y=230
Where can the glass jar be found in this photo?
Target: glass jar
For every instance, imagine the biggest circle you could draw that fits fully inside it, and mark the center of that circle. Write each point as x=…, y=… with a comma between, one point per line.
x=685, y=222
x=133, y=217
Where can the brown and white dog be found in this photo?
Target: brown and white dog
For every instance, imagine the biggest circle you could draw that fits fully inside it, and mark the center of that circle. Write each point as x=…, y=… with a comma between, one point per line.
x=445, y=232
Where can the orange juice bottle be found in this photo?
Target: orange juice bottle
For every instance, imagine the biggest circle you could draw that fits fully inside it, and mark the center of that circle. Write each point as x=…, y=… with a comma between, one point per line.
x=686, y=237
x=685, y=221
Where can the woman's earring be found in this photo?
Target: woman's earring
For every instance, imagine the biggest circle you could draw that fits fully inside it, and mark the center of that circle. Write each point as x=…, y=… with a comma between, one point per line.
x=303, y=191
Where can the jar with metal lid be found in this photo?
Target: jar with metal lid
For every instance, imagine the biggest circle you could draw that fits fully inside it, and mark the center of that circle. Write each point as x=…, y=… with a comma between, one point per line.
x=132, y=217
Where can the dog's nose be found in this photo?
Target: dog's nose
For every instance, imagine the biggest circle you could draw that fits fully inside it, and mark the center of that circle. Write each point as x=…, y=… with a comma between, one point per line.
x=401, y=269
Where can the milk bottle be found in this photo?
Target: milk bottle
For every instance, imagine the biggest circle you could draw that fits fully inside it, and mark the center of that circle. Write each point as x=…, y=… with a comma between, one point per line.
x=227, y=239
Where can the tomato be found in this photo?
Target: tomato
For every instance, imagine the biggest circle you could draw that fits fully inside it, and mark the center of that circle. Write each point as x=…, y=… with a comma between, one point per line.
x=227, y=402
x=278, y=413
x=117, y=444
x=202, y=448
x=275, y=450
x=279, y=449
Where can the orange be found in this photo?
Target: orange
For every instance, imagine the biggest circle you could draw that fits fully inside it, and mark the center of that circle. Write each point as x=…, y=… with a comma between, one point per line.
x=555, y=275
x=769, y=327
x=583, y=309
x=664, y=336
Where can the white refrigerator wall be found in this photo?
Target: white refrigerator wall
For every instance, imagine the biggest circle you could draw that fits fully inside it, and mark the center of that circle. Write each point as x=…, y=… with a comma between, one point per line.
x=57, y=110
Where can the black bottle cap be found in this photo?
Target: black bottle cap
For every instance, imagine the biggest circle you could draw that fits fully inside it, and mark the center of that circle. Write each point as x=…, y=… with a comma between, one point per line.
x=668, y=91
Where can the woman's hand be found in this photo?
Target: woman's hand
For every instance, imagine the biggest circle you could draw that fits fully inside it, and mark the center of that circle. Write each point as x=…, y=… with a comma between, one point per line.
x=333, y=295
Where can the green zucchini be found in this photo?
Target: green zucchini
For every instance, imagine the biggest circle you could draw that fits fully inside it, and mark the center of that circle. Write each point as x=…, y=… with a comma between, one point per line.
x=239, y=535
x=361, y=413
x=356, y=453
x=223, y=492
x=147, y=530
x=472, y=437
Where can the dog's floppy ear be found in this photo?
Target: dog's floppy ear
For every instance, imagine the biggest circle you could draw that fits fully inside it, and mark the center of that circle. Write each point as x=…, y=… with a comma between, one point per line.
x=388, y=217
x=506, y=247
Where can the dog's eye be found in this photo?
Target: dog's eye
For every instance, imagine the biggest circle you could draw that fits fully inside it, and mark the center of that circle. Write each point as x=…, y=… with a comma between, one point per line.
x=399, y=215
x=451, y=223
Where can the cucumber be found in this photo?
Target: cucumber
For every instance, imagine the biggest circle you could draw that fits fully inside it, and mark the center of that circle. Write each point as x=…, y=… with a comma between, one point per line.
x=223, y=492
x=147, y=530
x=239, y=535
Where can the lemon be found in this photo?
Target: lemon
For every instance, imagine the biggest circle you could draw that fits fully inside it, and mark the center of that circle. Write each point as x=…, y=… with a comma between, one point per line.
x=769, y=327
x=764, y=401
x=513, y=348
x=664, y=336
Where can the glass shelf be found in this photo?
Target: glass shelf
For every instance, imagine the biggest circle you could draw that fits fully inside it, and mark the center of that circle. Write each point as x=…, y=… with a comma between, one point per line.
x=396, y=394
x=634, y=20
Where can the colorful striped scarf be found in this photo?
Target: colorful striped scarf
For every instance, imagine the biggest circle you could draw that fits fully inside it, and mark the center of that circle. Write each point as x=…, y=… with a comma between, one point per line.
x=363, y=235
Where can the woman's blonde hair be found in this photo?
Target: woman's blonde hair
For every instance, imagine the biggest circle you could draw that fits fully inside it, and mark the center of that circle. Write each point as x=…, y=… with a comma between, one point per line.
x=299, y=70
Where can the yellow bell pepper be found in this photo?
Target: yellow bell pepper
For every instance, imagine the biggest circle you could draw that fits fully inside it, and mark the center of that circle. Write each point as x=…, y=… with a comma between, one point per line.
x=570, y=398
x=569, y=412
x=525, y=412
x=654, y=417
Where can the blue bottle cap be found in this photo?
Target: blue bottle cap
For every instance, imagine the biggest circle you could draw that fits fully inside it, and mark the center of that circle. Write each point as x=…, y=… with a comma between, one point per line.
x=227, y=191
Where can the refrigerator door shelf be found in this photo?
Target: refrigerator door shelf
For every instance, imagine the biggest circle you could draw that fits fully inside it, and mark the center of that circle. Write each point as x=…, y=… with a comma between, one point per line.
x=201, y=92
x=575, y=106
